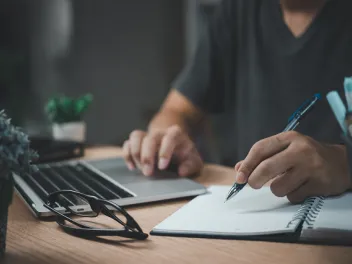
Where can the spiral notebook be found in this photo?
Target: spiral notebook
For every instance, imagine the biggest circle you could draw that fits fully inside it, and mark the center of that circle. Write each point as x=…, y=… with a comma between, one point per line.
x=260, y=215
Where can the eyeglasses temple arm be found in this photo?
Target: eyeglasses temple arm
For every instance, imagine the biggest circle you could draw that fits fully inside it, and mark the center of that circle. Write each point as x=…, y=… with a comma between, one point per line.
x=108, y=213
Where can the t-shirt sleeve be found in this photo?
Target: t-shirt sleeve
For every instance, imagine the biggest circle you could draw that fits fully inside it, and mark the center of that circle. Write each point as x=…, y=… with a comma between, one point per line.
x=202, y=80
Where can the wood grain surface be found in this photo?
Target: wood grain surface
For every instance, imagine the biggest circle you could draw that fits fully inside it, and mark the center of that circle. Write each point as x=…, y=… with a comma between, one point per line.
x=33, y=241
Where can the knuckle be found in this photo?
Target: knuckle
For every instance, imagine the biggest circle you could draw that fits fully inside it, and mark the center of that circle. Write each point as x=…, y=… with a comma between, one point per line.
x=258, y=147
x=305, y=146
x=238, y=165
x=174, y=130
x=279, y=138
x=136, y=133
x=170, y=138
x=265, y=167
x=291, y=135
x=253, y=183
x=155, y=136
x=316, y=163
x=245, y=168
x=295, y=151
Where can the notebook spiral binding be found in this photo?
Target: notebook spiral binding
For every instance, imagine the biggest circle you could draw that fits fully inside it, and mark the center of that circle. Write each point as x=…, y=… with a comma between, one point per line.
x=308, y=211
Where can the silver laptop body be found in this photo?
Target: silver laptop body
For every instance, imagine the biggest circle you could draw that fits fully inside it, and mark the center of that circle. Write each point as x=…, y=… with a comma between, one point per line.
x=105, y=178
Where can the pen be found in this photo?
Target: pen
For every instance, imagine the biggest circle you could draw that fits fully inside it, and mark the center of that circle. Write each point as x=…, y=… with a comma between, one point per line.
x=293, y=122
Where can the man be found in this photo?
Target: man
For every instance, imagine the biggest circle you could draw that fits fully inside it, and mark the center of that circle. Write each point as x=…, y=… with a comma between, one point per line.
x=256, y=62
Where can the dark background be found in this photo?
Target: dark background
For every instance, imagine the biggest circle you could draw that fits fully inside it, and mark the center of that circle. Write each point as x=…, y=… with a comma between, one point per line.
x=125, y=52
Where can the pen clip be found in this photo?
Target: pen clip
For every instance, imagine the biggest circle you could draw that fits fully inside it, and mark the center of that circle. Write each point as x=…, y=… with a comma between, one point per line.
x=299, y=110
x=306, y=107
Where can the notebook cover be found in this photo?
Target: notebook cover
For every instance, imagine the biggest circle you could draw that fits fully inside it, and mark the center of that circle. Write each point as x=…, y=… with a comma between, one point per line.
x=330, y=222
x=316, y=225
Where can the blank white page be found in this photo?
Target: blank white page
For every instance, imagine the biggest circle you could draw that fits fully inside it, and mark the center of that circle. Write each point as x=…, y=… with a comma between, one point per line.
x=336, y=213
x=251, y=212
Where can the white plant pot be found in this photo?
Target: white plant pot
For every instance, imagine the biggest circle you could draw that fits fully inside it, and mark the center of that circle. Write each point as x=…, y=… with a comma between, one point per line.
x=73, y=131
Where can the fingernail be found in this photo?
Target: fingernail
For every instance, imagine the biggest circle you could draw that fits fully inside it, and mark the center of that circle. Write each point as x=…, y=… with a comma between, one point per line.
x=240, y=178
x=147, y=169
x=162, y=163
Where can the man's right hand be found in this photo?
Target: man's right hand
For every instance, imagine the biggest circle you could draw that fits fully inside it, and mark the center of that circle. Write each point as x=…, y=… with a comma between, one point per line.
x=149, y=150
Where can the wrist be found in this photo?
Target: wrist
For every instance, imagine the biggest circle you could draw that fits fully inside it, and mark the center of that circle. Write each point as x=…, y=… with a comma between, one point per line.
x=165, y=119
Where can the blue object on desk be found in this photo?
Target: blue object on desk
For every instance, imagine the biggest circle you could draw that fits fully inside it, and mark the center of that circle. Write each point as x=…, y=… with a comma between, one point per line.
x=293, y=122
x=348, y=92
x=338, y=108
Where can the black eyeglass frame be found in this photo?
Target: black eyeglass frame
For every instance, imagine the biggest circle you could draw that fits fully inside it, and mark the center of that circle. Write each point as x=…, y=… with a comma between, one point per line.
x=131, y=227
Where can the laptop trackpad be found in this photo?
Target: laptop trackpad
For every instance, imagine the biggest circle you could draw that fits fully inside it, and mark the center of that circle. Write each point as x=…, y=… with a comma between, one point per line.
x=118, y=171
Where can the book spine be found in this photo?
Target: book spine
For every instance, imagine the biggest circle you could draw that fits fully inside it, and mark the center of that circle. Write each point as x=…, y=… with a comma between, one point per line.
x=308, y=211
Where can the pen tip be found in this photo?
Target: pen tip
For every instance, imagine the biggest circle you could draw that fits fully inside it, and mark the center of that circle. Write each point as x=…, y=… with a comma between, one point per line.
x=227, y=198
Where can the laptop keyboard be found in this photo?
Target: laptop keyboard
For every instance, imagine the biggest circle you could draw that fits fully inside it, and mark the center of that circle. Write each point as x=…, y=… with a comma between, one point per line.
x=77, y=177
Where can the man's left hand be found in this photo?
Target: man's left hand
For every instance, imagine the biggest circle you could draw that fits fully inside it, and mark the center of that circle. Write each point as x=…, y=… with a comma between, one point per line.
x=297, y=166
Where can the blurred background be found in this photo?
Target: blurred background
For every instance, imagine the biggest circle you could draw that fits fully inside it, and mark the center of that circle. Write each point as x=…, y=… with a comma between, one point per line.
x=125, y=52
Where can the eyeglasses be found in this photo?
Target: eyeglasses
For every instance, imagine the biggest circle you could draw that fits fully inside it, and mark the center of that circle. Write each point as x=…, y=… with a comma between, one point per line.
x=74, y=202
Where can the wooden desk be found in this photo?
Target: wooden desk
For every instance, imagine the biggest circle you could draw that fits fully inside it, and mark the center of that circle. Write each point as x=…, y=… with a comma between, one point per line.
x=31, y=241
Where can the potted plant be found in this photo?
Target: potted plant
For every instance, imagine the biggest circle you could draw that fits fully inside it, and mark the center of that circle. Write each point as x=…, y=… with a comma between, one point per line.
x=15, y=157
x=66, y=115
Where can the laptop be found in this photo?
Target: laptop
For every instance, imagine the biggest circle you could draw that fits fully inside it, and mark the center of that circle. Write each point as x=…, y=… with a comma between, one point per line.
x=105, y=178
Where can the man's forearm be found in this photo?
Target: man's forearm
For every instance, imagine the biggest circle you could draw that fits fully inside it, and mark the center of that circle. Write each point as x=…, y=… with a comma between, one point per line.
x=166, y=118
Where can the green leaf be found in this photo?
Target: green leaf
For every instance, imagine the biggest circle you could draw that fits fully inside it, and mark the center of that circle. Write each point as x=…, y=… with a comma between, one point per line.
x=63, y=109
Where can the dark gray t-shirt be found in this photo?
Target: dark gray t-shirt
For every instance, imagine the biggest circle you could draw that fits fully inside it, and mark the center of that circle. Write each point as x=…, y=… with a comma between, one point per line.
x=250, y=73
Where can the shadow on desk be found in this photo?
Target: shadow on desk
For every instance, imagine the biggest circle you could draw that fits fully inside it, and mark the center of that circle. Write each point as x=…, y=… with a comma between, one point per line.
x=10, y=258
x=123, y=242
